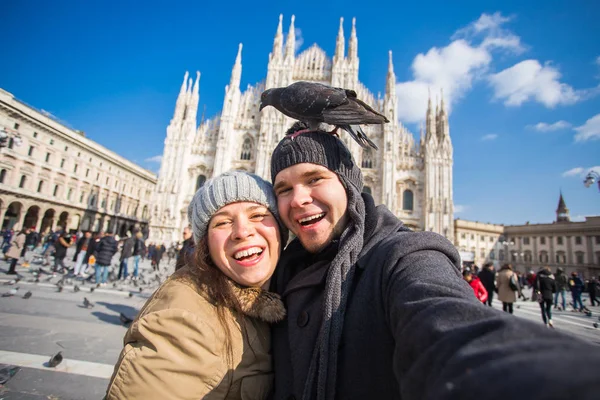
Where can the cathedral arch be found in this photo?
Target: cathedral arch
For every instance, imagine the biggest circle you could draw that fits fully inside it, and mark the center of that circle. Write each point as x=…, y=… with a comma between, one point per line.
x=408, y=200
x=247, y=150
x=200, y=181
x=367, y=158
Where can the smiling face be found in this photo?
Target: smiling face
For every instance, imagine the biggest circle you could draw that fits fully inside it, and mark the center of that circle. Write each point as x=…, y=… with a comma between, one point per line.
x=312, y=203
x=244, y=242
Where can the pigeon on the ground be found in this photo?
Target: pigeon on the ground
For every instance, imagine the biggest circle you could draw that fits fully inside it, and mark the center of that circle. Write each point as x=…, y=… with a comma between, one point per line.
x=87, y=303
x=55, y=360
x=125, y=320
x=130, y=294
x=59, y=288
x=76, y=288
x=27, y=295
x=92, y=289
x=315, y=103
x=141, y=289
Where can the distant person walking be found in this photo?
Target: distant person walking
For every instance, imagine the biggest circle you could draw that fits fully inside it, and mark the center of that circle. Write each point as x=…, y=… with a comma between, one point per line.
x=561, y=288
x=507, y=290
x=545, y=285
x=138, y=251
x=107, y=247
x=126, y=254
x=593, y=291
x=61, y=244
x=576, y=286
x=187, y=250
x=16, y=250
x=488, y=279
x=81, y=251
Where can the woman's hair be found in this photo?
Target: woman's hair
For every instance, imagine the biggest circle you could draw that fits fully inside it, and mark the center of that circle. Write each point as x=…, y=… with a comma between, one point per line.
x=218, y=288
x=507, y=266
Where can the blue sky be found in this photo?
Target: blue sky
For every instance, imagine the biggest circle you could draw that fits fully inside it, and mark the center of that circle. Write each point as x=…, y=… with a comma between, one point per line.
x=521, y=78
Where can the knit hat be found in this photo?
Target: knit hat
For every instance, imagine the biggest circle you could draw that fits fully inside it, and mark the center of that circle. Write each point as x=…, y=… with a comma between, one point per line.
x=230, y=187
x=327, y=150
x=319, y=148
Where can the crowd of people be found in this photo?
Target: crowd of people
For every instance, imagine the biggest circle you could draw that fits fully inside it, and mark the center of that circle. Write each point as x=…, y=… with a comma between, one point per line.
x=93, y=252
x=546, y=288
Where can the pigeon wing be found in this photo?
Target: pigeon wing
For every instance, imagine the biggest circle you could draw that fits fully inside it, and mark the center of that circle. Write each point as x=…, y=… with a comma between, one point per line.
x=354, y=112
x=307, y=100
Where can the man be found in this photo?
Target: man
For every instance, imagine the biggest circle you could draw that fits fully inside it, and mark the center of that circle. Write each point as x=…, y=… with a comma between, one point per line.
x=81, y=250
x=104, y=252
x=187, y=250
x=376, y=311
x=138, y=251
x=593, y=291
x=576, y=285
x=126, y=253
x=561, y=288
x=488, y=279
x=61, y=244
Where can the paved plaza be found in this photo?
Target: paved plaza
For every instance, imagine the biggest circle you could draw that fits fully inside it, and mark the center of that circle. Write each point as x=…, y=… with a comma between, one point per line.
x=33, y=329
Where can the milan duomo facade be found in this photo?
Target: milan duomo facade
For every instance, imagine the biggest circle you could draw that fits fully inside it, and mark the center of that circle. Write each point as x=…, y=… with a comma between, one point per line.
x=412, y=178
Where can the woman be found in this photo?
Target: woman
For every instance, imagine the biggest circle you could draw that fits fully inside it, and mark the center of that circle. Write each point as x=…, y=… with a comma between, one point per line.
x=545, y=285
x=475, y=283
x=204, y=334
x=16, y=250
x=506, y=293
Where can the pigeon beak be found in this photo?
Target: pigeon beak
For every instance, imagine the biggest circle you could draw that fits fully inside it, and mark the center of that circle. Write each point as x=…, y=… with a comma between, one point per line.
x=261, y=106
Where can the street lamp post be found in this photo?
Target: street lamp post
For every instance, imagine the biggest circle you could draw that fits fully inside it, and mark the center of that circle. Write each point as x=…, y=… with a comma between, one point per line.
x=591, y=178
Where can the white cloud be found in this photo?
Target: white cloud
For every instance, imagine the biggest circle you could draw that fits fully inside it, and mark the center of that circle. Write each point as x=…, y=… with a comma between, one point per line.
x=454, y=67
x=299, y=40
x=489, y=136
x=155, y=159
x=572, y=172
x=458, y=208
x=544, y=127
x=530, y=81
x=580, y=172
x=589, y=131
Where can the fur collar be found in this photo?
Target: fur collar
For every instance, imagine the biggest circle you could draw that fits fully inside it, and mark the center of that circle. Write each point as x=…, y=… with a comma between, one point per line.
x=259, y=303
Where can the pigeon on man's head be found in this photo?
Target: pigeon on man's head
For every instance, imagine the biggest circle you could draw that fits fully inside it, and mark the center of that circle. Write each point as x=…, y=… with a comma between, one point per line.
x=27, y=295
x=55, y=360
x=315, y=103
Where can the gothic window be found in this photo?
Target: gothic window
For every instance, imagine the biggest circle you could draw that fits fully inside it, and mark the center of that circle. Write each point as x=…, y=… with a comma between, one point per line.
x=542, y=240
x=526, y=241
x=200, y=181
x=543, y=256
x=93, y=200
x=40, y=186
x=367, y=158
x=247, y=148
x=561, y=257
x=22, y=181
x=579, y=257
x=528, y=256
x=577, y=239
x=2, y=175
x=407, y=200
x=55, y=191
x=145, y=212
x=559, y=240
x=367, y=189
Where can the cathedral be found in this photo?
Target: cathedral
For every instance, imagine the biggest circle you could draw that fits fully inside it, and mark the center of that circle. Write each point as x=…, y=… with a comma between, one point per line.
x=413, y=178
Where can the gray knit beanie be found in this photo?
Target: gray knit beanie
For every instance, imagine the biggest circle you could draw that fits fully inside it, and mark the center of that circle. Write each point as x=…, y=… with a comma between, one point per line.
x=319, y=148
x=325, y=149
x=230, y=187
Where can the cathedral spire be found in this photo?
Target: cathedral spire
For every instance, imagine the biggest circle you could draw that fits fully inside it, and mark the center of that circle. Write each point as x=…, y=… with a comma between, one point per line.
x=340, y=43
x=562, y=212
x=353, y=43
x=430, y=119
x=236, y=73
x=290, y=44
x=390, y=87
x=182, y=98
x=442, y=108
x=278, y=42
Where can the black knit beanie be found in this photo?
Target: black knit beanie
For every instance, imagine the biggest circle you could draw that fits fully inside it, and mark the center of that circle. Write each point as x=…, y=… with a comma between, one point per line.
x=319, y=148
x=324, y=149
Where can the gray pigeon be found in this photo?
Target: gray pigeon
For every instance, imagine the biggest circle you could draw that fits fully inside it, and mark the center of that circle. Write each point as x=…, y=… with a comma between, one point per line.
x=87, y=303
x=315, y=103
x=55, y=360
x=27, y=295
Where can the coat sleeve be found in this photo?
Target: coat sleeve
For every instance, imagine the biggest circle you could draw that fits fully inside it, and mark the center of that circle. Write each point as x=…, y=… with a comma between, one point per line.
x=450, y=346
x=170, y=354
